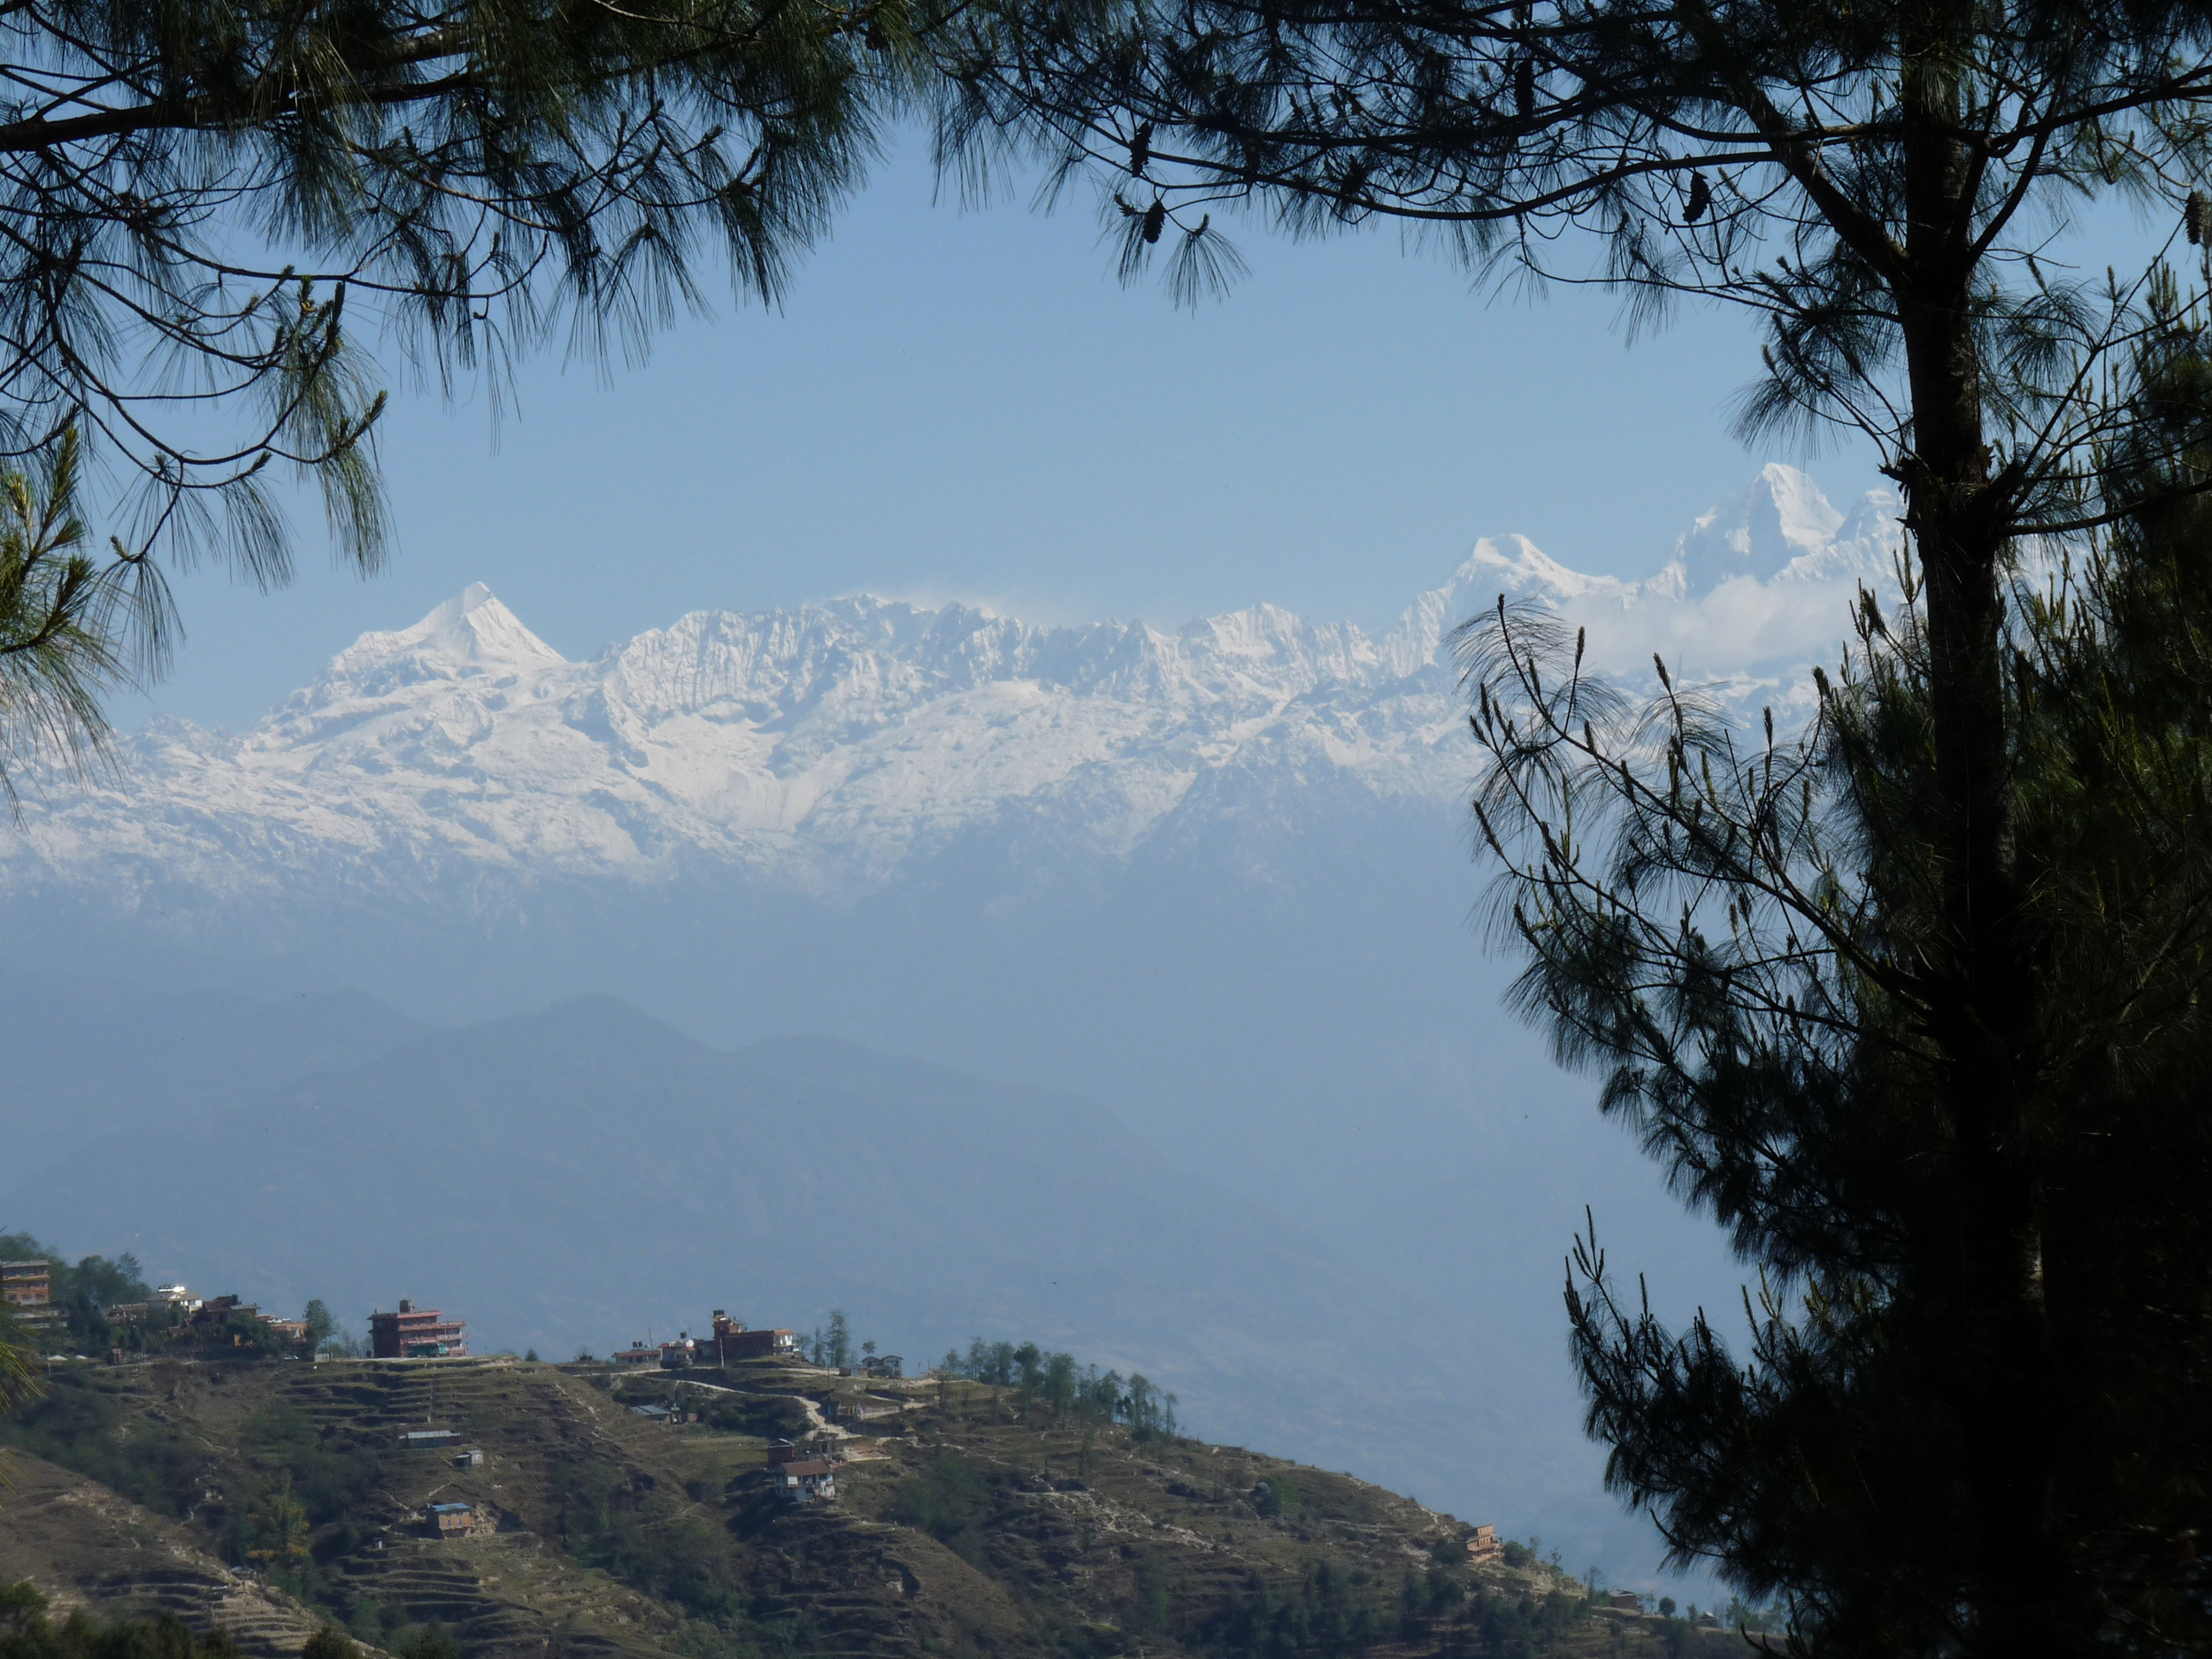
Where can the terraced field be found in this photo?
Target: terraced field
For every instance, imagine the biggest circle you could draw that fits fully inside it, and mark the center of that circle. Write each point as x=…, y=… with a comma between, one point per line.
x=86, y=1547
x=968, y=1524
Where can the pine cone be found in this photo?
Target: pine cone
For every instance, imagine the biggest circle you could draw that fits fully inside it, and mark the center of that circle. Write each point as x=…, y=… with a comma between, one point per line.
x=1155, y=219
x=1701, y=198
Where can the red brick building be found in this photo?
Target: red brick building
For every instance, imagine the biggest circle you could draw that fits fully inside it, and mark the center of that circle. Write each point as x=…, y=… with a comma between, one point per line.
x=416, y=1333
x=732, y=1341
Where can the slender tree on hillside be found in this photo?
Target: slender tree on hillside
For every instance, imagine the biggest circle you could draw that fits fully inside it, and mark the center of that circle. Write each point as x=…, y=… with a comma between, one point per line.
x=1883, y=186
x=209, y=208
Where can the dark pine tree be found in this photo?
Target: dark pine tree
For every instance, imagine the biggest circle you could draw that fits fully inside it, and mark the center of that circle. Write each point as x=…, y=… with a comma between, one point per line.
x=1868, y=1041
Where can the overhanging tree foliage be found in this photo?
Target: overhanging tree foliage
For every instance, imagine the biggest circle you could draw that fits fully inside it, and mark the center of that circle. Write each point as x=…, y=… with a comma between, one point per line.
x=1885, y=188
x=1747, y=938
x=206, y=205
x=18, y=1382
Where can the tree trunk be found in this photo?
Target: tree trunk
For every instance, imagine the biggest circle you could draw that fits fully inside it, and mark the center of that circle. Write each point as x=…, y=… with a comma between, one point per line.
x=1985, y=995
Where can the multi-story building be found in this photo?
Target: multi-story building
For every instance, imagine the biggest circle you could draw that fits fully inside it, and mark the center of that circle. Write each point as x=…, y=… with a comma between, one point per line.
x=26, y=1289
x=416, y=1333
x=27, y=1284
x=732, y=1341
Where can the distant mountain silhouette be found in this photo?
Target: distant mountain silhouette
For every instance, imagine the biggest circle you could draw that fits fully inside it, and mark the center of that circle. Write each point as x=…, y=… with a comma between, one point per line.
x=92, y=1057
x=588, y=1175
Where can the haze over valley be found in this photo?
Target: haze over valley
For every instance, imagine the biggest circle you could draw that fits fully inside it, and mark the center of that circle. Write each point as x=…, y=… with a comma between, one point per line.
x=1102, y=985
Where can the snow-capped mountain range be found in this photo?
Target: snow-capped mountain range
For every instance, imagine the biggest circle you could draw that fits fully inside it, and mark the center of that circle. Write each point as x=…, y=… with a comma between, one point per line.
x=1216, y=879
x=830, y=745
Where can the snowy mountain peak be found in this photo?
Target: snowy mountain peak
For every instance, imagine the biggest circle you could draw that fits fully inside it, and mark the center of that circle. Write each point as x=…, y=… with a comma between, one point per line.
x=474, y=627
x=1760, y=532
x=470, y=632
x=827, y=746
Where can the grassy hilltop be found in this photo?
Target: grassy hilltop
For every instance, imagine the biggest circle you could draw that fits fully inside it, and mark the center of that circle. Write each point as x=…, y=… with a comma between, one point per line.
x=267, y=1497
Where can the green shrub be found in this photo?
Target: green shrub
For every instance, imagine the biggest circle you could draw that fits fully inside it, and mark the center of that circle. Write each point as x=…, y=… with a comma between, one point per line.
x=1278, y=1495
x=77, y=1424
x=427, y=1641
x=25, y=1633
x=952, y=1501
x=777, y=1418
x=685, y=1561
x=1148, y=1612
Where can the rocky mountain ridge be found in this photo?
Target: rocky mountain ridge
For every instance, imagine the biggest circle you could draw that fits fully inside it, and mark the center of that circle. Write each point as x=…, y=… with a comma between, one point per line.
x=823, y=749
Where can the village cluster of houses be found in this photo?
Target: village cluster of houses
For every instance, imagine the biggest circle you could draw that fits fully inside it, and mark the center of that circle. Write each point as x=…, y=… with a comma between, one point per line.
x=26, y=1289
x=174, y=1305
x=729, y=1343
x=801, y=1475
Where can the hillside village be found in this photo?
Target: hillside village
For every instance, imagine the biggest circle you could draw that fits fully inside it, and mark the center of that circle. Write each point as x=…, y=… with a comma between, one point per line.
x=741, y=1494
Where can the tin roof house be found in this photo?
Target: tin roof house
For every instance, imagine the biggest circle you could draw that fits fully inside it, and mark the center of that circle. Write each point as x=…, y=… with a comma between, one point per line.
x=808, y=1482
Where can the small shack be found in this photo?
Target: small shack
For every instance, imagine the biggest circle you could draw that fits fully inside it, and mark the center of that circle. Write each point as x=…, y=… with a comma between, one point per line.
x=457, y=1520
x=808, y=1482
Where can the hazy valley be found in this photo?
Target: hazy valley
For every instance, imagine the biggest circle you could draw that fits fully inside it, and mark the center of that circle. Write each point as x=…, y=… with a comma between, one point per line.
x=1208, y=1075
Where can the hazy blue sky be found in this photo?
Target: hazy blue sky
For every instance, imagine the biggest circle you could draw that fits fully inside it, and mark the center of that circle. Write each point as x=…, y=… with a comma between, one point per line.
x=968, y=406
